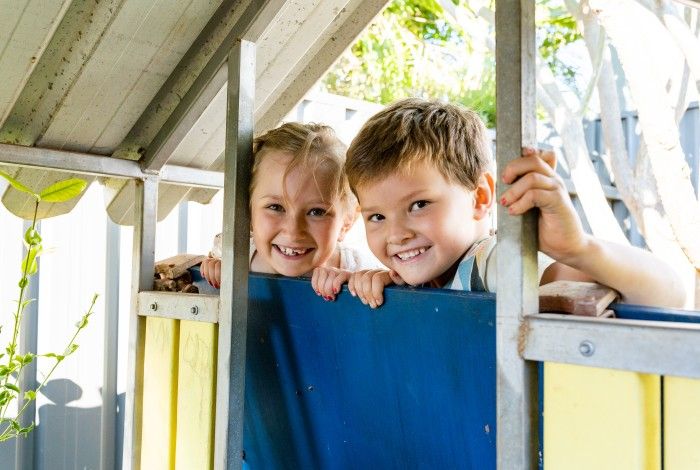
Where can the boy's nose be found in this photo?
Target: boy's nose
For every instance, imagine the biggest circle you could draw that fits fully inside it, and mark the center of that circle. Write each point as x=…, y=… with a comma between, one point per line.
x=398, y=234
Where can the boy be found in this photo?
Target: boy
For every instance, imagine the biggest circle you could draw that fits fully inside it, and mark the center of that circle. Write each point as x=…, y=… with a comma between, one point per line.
x=422, y=173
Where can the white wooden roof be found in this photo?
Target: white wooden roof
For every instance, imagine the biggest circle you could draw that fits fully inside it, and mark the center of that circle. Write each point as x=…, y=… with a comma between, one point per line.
x=145, y=80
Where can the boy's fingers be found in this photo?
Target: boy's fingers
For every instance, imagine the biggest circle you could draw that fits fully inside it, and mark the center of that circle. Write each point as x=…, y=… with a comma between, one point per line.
x=351, y=285
x=396, y=278
x=378, y=283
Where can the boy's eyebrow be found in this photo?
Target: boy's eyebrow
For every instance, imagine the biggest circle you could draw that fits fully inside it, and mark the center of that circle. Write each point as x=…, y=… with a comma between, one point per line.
x=408, y=197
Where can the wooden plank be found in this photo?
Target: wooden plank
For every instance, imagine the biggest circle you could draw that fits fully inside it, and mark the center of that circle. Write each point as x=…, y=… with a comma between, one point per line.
x=159, y=394
x=195, y=396
x=681, y=423
x=176, y=266
x=577, y=298
x=600, y=418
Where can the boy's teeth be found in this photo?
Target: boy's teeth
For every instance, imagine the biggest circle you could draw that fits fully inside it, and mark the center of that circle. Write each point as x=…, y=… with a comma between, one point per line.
x=292, y=251
x=410, y=254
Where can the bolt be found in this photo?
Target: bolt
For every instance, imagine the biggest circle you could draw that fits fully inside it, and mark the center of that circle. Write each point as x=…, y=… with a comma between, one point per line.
x=586, y=348
x=194, y=310
x=154, y=306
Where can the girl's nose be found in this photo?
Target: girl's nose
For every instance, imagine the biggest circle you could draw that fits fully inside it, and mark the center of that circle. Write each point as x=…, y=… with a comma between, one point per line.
x=294, y=225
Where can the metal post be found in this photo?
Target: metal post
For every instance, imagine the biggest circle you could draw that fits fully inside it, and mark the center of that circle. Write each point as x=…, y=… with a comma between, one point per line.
x=233, y=310
x=108, y=416
x=25, y=446
x=517, y=437
x=145, y=216
x=183, y=215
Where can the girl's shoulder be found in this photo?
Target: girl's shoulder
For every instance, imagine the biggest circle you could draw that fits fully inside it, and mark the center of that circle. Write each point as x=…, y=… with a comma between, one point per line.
x=354, y=259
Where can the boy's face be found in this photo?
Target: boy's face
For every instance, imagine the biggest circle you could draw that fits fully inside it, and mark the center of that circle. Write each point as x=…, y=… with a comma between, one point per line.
x=296, y=233
x=420, y=225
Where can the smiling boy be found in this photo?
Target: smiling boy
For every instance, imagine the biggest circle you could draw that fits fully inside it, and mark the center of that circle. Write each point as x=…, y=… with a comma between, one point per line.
x=422, y=173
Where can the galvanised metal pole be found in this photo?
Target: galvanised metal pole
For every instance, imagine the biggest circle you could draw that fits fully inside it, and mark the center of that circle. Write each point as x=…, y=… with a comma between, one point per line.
x=233, y=310
x=517, y=294
x=145, y=217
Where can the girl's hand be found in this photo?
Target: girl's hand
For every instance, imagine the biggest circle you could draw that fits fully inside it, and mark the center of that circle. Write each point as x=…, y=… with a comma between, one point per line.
x=368, y=285
x=211, y=271
x=327, y=281
x=535, y=183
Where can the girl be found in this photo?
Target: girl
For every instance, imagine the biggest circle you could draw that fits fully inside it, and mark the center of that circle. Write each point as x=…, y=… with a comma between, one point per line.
x=301, y=205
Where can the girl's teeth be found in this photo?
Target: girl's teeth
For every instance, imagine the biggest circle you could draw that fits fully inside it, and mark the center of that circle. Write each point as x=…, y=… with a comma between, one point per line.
x=291, y=251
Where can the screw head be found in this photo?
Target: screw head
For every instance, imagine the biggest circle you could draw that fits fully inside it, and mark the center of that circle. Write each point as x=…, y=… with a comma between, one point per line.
x=154, y=306
x=194, y=310
x=586, y=348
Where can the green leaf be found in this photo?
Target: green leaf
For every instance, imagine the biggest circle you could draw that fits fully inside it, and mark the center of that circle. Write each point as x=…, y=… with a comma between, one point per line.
x=23, y=282
x=32, y=237
x=18, y=186
x=63, y=190
x=12, y=387
x=30, y=395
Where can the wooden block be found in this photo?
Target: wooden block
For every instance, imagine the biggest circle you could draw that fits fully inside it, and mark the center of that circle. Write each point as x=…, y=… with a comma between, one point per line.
x=177, y=265
x=577, y=298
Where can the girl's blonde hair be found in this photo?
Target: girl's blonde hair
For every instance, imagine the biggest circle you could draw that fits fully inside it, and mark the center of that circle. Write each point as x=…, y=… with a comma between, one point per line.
x=312, y=146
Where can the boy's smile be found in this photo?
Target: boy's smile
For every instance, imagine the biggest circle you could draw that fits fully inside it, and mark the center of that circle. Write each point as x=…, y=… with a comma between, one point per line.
x=419, y=224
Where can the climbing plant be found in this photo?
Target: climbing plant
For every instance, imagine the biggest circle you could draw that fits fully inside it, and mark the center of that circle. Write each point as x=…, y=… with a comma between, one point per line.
x=12, y=361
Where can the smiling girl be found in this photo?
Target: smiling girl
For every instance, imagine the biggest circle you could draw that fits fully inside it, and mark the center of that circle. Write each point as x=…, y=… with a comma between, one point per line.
x=301, y=205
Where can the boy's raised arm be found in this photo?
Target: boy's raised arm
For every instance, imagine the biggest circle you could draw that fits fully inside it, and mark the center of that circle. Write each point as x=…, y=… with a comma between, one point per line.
x=638, y=275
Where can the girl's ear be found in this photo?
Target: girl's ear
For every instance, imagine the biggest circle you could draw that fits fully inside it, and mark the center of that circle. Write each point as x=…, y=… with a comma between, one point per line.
x=483, y=195
x=349, y=218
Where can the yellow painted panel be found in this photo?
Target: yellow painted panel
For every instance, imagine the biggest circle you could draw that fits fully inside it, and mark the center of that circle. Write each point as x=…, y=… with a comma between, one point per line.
x=681, y=423
x=601, y=419
x=159, y=394
x=196, y=394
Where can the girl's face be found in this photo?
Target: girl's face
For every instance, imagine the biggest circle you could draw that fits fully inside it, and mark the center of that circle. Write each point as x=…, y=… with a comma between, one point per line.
x=299, y=232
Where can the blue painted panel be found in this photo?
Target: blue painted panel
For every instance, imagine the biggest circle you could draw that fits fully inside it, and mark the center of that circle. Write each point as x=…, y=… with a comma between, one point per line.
x=640, y=312
x=337, y=385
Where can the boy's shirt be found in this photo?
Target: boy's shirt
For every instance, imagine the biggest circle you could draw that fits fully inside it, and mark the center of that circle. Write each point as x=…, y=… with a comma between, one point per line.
x=477, y=270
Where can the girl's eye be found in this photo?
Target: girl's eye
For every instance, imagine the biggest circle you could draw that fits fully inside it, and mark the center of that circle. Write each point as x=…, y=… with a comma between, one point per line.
x=375, y=218
x=419, y=205
x=317, y=212
x=275, y=207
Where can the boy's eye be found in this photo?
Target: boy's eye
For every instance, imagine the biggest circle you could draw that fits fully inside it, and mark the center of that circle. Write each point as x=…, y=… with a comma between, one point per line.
x=419, y=205
x=375, y=218
x=317, y=212
x=275, y=207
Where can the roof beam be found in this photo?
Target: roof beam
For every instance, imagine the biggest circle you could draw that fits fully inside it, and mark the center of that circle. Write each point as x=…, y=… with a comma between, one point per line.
x=346, y=27
x=250, y=25
x=99, y=165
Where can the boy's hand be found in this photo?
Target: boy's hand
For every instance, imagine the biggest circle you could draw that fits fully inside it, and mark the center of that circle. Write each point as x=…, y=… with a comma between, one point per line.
x=535, y=183
x=369, y=285
x=327, y=282
x=211, y=271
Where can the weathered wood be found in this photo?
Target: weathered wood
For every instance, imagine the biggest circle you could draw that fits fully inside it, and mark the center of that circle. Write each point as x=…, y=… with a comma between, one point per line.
x=577, y=298
x=177, y=265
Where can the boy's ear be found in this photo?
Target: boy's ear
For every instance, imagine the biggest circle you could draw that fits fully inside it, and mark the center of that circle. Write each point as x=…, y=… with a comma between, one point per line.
x=483, y=195
x=348, y=221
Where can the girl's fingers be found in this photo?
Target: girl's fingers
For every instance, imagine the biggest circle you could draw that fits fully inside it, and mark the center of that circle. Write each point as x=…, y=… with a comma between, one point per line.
x=529, y=182
x=328, y=285
x=522, y=166
x=340, y=279
x=217, y=273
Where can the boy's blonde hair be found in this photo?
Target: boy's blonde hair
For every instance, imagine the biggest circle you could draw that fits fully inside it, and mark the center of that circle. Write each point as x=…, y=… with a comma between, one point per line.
x=312, y=146
x=451, y=138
